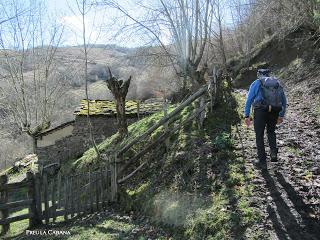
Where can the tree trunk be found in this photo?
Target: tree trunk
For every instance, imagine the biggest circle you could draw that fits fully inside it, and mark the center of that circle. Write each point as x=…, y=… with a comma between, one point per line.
x=121, y=116
x=34, y=144
x=119, y=90
x=218, y=78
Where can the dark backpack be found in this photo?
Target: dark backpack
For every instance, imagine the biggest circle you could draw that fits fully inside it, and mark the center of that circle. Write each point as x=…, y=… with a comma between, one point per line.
x=271, y=91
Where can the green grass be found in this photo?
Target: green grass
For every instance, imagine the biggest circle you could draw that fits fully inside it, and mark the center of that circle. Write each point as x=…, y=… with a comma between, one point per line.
x=317, y=110
x=307, y=175
x=295, y=151
x=111, y=145
x=19, y=227
x=176, y=191
x=108, y=229
x=110, y=226
x=210, y=223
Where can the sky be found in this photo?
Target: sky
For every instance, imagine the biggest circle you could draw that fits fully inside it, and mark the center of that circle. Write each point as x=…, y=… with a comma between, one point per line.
x=106, y=19
x=101, y=25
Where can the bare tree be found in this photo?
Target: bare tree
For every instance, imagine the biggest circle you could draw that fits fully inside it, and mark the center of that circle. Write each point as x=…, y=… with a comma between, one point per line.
x=254, y=20
x=5, y=17
x=84, y=7
x=217, y=31
x=119, y=89
x=33, y=85
x=189, y=24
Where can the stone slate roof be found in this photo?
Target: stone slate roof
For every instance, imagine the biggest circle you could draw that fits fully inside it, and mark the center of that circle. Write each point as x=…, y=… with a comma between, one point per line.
x=50, y=130
x=108, y=107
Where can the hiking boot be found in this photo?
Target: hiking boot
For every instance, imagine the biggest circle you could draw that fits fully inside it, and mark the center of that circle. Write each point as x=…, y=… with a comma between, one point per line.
x=261, y=164
x=273, y=155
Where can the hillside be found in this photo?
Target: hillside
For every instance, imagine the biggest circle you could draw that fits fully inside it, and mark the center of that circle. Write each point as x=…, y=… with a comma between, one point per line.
x=69, y=62
x=205, y=186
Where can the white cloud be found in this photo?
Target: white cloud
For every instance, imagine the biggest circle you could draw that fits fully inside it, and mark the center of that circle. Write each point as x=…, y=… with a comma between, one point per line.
x=74, y=30
x=73, y=22
x=103, y=25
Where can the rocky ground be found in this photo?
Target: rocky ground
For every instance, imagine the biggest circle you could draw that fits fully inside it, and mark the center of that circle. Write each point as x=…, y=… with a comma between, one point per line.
x=288, y=193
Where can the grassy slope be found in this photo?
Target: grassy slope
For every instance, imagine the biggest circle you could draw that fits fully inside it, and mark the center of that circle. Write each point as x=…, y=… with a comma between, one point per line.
x=198, y=187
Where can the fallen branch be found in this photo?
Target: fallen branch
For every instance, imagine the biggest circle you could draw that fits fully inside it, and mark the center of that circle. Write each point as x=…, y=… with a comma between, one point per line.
x=131, y=174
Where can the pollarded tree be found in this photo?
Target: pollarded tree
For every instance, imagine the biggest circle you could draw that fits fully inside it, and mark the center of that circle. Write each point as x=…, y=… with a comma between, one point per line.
x=119, y=90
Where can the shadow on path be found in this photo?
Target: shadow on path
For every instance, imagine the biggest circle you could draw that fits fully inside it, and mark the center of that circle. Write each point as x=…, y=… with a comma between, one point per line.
x=288, y=227
x=311, y=224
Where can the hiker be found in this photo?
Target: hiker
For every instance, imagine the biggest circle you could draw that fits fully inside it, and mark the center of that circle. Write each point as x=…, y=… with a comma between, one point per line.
x=269, y=102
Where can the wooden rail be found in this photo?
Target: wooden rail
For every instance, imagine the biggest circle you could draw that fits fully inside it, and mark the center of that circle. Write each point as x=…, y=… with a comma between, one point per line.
x=171, y=117
x=6, y=207
x=165, y=119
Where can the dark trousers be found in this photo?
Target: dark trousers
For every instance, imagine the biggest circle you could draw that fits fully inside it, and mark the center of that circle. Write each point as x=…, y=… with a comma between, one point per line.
x=263, y=119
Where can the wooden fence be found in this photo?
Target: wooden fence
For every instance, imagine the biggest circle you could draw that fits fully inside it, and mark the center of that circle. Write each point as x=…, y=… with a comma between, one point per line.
x=204, y=98
x=49, y=197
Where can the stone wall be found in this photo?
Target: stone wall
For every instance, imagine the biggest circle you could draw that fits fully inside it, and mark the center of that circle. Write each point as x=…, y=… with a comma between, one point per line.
x=74, y=145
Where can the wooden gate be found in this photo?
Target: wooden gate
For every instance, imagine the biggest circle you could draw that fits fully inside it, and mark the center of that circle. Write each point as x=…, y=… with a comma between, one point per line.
x=70, y=196
x=50, y=196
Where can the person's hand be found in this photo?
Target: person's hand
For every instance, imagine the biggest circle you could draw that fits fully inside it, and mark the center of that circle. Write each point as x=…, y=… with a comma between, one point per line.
x=280, y=120
x=247, y=121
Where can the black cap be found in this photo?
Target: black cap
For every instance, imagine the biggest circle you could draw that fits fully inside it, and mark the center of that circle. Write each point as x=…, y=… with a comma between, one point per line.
x=264, y=71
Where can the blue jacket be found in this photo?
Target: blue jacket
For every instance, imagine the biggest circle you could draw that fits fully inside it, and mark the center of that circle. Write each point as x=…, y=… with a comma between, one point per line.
x=254, y=95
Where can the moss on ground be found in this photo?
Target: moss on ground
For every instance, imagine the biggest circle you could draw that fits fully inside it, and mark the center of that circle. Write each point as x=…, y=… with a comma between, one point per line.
x=317, y=110
x=111, y=145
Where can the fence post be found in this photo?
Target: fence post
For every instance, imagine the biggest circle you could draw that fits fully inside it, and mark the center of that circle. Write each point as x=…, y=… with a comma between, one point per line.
x=114, y=178
x=71, y=191
x=138, y=109
x=106, y=190
x=91, y=192
x=4, y=199
x=166, y=125
x=53, y=199
x=97, y=188
x=45, y=197
x=78, y=196
x=66, y=206
x=101, y=188
x=37, y=194
x=34, y=219
x=111, y=182
x=60, y=186
x=202, y=114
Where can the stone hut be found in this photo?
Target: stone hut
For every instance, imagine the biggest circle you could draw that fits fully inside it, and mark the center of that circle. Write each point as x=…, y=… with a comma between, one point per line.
x=71, y=139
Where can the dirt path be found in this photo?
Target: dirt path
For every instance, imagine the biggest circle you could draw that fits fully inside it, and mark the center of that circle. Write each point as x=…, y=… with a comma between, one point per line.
x=288, y=193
